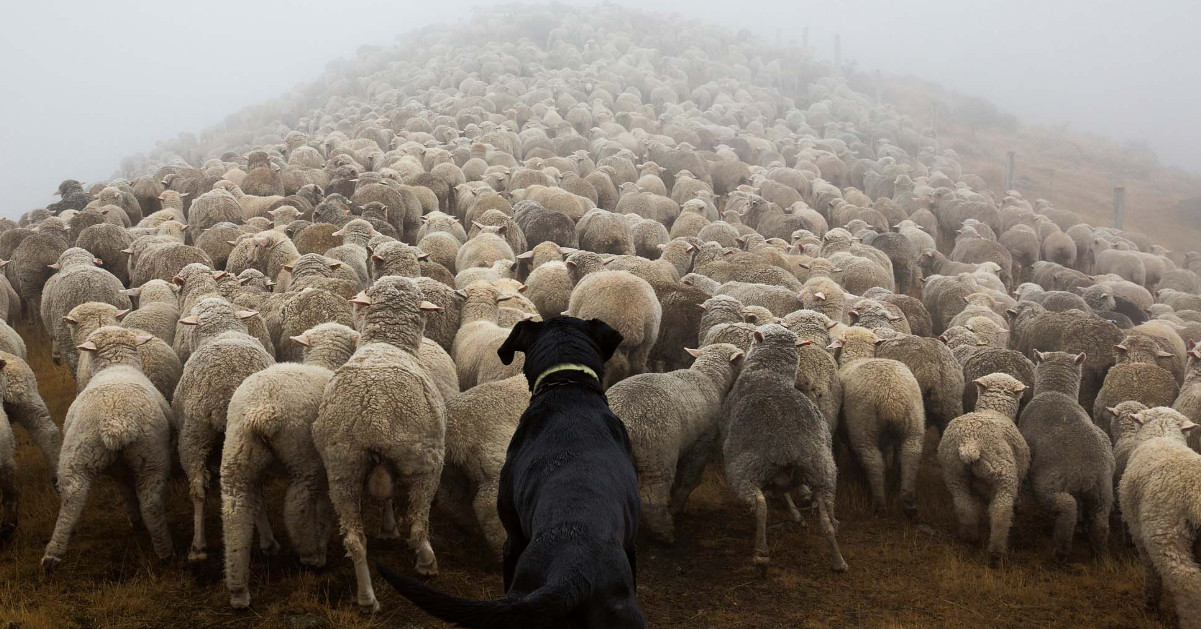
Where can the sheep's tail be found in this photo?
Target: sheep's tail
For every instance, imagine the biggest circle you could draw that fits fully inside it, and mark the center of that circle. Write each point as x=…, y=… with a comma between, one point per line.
x=379, y=483
x=969, y=451
x=545, y=607
x=264, y=420
x=118, y=431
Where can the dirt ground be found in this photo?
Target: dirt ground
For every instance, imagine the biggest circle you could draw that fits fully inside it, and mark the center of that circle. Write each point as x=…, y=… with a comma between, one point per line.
x=902, y=574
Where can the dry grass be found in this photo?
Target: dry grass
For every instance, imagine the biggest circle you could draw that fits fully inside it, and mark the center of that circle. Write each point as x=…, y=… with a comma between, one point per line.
x=901, y=574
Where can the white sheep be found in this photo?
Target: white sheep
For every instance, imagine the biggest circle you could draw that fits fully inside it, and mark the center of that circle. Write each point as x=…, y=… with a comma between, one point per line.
x=479, y=336
x=984, y=457
x=881, y=408
x=122, y=420
x=1160, y=498
x=269, y=424
x=382, y=408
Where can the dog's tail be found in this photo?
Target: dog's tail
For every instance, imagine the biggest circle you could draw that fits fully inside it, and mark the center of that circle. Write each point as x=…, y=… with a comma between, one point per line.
x=545, y=607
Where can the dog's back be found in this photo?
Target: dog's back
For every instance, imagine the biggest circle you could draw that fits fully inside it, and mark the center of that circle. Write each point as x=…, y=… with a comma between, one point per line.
x=568, y=495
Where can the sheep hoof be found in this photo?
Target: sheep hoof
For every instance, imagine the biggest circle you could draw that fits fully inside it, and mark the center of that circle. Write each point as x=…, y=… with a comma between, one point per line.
x=313, y=561
x=1060, y=556
x=839, y=566
x=994, y=560
x=271, y=549
x=239, y=599
x=427, y=569
x=197, y=555
x=385, y=535
x=909, y=509
x=49, y=564
x=369, y=607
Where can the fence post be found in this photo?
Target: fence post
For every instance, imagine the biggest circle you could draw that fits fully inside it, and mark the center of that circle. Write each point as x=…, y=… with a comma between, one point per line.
x=1119, y=206
x=1009, y=172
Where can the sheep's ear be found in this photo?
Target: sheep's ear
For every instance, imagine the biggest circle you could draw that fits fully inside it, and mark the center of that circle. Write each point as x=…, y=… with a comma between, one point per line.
x=300, y=339
x=980, y=383
x=87, y=346
x=462, y=292
x=820, y=296
x=1139, y=418
x=1120, y=348
x=132, y=292
x=231, y=242
x=219, y=275
x=1038, y=356
x=478, y=224
x=523, y=288
x=121, y=313
x=361, y=299
x=287, y=267
x=1163, y=354
x=854, y=314
x=69, y=319
x=878, y=341
x=1022, y=389
x=695, y=353
x=893, y=317
x=803, y=342
x=758, y=336
x=1012, y=313
x=337, y=234
x=1112, y=410
x=1080, y=358
x=143, y=339
x=943, y=338
x=1187, y=426
x=53, y=266
x=830, y=326
x=500, y=298
x=245, y=314
x=98, y=261
x=335, y=265
x=429, y=306
x=190, y=320
x=835, y=345
x=737, y=356
x=521, y=338
x=525, y=256
x=606, y=261
x=243, y=281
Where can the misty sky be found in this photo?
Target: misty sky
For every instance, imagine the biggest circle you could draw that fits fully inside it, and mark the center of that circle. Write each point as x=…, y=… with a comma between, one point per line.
x=86, y=83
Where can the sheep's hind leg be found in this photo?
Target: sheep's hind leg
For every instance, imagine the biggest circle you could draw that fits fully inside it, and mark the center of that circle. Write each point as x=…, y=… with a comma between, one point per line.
x=195, y=441
x=656, y=487
x=1063, y=505
x=347, y=469
x=74, y=489
x=262, y=522
x=422, y=488
x=825, y=516
x=1000, y=519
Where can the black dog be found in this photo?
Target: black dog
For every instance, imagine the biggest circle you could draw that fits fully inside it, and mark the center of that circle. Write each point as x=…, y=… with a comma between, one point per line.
x=568, y=495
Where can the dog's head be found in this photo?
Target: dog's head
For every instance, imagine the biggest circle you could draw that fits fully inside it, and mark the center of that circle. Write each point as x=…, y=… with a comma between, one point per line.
x=558, y=341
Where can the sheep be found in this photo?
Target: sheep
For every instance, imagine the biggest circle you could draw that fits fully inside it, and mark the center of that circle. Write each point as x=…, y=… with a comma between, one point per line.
x=159, y=362
x=1188, y=401
x=358, y=426
x=627, y=303
x=1071, y=461
x=29, y=267
x=121, y=420
x=774, y=438
x=479, y=336
x=674, y=420
x=8, y=476
x=881, y=408
x=442, y=325
x=601, y=231
x=106, y=242
x=937, y=373
x=269, y=422
x=681, y=319
x=1124, y=433
x=486, y=248
x=550, y=288
x=982, y=455
x=157, y=310
x=77, y=281
x=23, y=404
x=1159, y=501
x=223, y=356
x=988, y=360
x=479, y=424
x=780, y=301
x=1136, y=377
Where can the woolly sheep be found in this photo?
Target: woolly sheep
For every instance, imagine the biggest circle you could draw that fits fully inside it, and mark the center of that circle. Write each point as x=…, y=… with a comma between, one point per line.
x=1136, y=377
x=479, y=336
x=881, y=407
x=118, y=417
x=268, y=422
x=983, y=456
x=937, y=373
x=674, y=420
x=628, y=304
x=159, y=362
x=358, y=425
x=774, y=438
x=77, y=281
x=1159, y=498
x=223, y=357
x=1071, y=469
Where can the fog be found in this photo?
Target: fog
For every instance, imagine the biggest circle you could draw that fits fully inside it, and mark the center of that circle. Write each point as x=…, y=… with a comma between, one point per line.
x=85, y=84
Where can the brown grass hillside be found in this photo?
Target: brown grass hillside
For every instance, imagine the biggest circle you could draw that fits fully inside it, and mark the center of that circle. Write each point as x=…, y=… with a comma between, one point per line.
x=902, y=574
x=1075, y=171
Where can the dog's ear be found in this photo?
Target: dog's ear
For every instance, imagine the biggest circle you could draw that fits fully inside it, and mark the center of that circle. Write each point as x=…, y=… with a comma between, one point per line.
x=521, y=337
x=605, y=337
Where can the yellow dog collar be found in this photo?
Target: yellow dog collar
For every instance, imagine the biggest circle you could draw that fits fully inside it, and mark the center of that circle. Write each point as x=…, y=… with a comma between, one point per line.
x=564, y=367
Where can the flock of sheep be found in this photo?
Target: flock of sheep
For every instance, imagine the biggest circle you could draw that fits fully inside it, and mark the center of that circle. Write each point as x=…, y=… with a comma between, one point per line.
x=317, y=289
